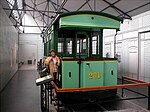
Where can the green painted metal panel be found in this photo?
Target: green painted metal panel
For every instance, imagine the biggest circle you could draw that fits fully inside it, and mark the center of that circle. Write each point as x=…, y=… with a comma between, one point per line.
x=90, y=21
x=55, y=38
x=70, y=74
x=47, y=48
x=90, y=12
x=49, y=44
x=82, y=55
x=52, y=40
x=92, y=73
x=110, y=73
x=44, y=49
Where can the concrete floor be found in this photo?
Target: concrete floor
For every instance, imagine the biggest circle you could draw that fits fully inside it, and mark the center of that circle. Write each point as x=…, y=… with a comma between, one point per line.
x=27, y=67
x=22, y=95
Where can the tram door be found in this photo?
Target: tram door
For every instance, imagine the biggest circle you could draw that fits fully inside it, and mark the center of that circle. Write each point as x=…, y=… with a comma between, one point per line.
x=81, y=45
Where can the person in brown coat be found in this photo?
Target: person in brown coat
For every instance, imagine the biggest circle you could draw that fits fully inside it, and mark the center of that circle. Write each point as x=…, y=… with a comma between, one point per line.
x=53, y=62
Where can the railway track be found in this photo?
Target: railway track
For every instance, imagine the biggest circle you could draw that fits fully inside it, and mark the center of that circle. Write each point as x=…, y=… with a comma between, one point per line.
x=92, y=107
x=114, y=106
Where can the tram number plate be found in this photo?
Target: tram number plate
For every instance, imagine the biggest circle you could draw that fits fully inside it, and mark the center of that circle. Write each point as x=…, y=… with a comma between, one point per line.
x=94, y=75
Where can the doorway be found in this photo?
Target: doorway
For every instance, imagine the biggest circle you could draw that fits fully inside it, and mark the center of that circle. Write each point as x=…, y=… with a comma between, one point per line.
x=144, y=56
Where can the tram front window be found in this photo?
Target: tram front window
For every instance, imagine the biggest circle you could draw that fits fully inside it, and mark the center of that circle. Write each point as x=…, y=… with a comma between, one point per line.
x=95, y=44
x=69, y=45
x=82, y=45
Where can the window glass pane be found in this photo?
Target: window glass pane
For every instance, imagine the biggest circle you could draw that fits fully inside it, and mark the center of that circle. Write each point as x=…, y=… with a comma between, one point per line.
x=60, y=45
x=81, y=43
x=69, y=45
x=94, y=44
x=94, y=38
x=84, y=44
x=77, y=48
x=81, y=46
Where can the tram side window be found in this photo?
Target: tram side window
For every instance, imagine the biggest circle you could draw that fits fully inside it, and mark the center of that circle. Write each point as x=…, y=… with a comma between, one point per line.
x=60, y=45
x=65, y=45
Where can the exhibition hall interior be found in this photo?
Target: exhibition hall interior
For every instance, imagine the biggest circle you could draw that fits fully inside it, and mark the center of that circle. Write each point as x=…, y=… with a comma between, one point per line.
x=74, y=56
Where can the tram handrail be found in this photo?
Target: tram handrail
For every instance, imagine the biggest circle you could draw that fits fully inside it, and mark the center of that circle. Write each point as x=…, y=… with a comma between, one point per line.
x=122, y=86
x=132, y=79
x=59, y=90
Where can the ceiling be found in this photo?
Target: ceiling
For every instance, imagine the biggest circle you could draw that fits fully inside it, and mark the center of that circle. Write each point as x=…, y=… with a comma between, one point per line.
x=46, y=10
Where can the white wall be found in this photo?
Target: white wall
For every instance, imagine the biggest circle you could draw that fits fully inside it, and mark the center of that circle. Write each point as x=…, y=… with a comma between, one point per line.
x=30, y=42
x=30, y=47
x=8, y=49
x=127, y=39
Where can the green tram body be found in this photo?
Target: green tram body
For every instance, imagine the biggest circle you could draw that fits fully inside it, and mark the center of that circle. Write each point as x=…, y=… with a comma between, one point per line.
x=72, y=36
x=93, y=73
